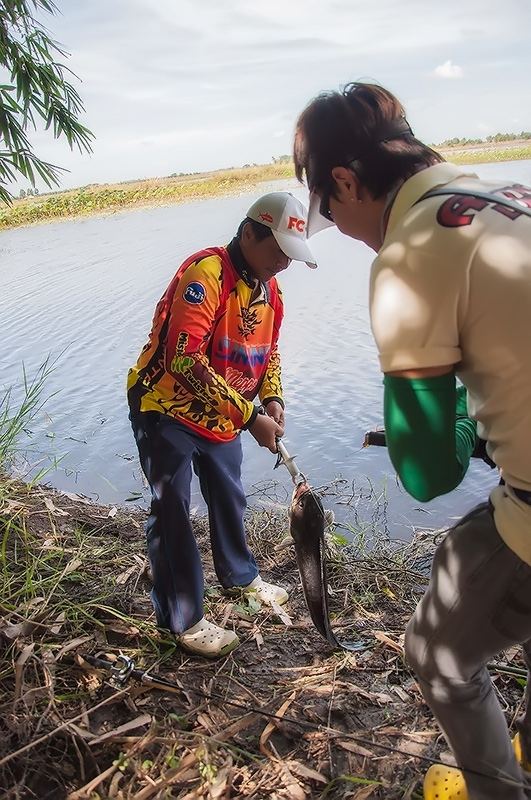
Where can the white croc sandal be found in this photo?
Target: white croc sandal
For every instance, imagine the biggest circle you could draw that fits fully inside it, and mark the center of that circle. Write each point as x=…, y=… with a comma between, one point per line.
x=267, y=593
x=209, y=640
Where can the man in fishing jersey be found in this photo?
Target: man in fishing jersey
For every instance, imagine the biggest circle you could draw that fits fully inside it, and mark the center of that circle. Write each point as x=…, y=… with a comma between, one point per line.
x=211, y=351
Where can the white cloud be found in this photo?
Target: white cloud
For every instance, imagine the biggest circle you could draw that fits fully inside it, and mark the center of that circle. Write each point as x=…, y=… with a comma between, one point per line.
x=448, y=70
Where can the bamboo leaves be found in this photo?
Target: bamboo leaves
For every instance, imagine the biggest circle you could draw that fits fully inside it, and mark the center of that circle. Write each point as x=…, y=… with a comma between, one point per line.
x=38, y=92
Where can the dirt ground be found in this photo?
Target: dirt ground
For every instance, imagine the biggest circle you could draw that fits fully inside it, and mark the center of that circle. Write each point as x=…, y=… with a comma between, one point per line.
x=75, y=581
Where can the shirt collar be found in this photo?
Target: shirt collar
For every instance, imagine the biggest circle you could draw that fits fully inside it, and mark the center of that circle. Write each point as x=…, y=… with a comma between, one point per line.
x=240, y=264
x=420, y=183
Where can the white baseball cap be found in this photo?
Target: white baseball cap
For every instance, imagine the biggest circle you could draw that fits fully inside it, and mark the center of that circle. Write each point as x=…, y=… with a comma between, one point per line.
x=288, y=220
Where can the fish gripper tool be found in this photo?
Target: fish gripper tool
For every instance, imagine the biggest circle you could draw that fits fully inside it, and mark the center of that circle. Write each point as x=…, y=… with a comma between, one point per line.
x=289, y=462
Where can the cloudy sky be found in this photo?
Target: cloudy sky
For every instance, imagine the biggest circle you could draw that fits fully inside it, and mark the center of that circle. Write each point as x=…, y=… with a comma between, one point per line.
x=187, y=85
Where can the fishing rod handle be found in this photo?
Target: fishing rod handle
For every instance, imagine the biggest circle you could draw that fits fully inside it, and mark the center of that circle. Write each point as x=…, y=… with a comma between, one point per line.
x=378, y=439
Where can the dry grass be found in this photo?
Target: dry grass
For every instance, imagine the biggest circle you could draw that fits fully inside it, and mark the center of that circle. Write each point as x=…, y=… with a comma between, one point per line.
x=488, y=152
x=108, y=198
x=73, y=579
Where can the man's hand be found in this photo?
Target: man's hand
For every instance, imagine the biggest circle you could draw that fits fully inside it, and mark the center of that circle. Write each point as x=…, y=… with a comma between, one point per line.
x=274, y=410
x=265, y=430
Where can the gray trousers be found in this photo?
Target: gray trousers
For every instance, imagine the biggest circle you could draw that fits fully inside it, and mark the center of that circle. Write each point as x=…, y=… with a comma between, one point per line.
x=478, y=603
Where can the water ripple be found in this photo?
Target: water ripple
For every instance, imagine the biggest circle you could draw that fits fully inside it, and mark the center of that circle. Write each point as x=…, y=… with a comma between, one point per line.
x=88, y=288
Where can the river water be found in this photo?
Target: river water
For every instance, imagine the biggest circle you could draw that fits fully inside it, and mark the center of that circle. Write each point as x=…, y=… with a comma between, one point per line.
x=84, y=291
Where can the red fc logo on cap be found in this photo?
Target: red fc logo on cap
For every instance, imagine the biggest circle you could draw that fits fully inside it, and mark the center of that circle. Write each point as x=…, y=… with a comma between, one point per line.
x=295, y=222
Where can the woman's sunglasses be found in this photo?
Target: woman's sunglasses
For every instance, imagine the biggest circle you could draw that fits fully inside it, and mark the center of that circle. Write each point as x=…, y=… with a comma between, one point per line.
x=324, y=206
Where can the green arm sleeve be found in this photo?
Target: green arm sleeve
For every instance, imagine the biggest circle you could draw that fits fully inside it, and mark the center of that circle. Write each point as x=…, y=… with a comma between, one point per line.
x=429, y=435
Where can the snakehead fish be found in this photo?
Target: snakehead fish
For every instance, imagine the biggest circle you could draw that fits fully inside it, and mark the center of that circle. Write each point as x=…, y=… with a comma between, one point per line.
x=307, y=527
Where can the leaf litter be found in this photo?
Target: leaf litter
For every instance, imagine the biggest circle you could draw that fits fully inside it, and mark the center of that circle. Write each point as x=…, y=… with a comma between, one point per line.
x=67, y=733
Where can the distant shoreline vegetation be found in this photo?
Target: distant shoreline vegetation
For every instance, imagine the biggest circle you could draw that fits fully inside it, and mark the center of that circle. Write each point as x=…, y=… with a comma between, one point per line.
x=183, y=187
x=496, y=138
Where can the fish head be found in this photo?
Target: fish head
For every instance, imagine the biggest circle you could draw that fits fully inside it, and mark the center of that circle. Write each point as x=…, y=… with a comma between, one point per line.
x=307, y=518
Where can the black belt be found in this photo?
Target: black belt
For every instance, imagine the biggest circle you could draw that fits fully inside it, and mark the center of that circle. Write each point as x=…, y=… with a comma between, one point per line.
x=522, y=494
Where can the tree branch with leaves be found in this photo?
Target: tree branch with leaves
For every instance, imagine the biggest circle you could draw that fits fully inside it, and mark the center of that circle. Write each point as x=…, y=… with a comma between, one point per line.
x=38, y=91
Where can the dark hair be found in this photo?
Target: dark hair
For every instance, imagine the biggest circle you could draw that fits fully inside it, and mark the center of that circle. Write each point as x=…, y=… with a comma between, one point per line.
x=348, y=129
x=260, y=231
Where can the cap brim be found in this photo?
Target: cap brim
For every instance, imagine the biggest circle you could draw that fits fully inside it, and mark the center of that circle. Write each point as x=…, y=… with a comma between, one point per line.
x=316, y=222
x=294, y=248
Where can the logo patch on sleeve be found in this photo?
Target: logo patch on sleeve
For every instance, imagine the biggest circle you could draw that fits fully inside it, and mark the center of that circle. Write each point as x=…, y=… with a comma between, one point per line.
x=194, y=293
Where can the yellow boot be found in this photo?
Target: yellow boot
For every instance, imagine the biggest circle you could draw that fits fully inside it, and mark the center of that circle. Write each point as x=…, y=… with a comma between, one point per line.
x=448, y=783
x=520, y=755
x=444, y=783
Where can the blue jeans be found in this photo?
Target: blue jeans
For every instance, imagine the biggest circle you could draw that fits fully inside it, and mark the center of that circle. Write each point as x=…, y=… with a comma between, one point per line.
x=168, y=449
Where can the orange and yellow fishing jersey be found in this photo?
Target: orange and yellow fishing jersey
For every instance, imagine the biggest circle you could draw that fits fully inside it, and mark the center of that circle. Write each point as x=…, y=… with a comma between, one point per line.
x=212, y=346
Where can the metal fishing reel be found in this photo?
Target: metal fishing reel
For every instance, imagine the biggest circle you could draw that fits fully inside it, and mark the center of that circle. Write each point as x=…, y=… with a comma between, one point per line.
x=121, y=671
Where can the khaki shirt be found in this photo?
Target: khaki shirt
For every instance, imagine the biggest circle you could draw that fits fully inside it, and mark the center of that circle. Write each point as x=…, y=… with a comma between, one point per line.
x=452, y=285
